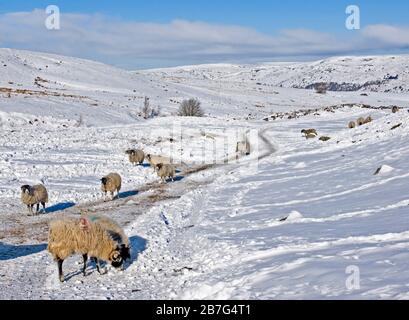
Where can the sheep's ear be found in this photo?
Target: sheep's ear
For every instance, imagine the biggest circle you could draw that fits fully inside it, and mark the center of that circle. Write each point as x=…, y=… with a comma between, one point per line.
x=84, y=224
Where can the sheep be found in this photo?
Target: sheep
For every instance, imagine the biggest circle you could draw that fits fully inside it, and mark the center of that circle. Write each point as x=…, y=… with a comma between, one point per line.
x=69, y=236
x=34, y=195
x=395, y=109
x=111, y=225
x=155, y=160
x=111, y=183
x=243, y=147
x=136, y=156
x=324, y=138
x=309, y=132
x=166, y=171
x=368, y=120
x=352, y=125
x=360, y=121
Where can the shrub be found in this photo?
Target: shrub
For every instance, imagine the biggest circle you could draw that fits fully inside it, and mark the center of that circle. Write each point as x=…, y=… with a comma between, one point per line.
x=190, y=108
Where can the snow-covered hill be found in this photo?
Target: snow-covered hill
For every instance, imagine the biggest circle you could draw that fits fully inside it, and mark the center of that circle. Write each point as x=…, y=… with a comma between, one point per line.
x=372, y=73
x=288, y=221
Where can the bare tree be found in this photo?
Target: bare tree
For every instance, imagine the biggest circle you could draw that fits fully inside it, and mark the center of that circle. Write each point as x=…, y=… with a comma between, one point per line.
x=146, y=110
x=190, y=108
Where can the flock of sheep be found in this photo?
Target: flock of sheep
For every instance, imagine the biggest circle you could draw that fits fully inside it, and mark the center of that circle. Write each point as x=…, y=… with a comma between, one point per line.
x=35, y=195
x=92, y=236
x=312, y=133
x=95, y=237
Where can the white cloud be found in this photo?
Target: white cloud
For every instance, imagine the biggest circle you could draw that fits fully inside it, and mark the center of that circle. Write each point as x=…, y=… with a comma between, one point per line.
x=388, y=35
x=131, y=44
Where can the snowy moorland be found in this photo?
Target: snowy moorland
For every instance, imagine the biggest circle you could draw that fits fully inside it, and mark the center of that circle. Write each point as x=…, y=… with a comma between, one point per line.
x=286, y=222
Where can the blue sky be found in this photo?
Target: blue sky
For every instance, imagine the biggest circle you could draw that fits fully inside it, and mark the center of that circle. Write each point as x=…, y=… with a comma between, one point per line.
x=265, y=18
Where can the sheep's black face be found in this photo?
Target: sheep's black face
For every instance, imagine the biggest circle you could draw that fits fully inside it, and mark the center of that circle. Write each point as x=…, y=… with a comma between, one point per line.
x=125, y=252
x=116, y=259
x=104, y=181
x=25, y=189
x=148, y=157
x=159, y=166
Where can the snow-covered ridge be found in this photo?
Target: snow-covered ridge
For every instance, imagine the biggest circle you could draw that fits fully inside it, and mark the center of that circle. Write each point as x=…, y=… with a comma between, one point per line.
x=371, y=73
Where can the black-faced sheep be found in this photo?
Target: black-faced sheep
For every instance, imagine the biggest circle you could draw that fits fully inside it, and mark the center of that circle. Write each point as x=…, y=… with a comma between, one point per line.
x=34, y=195
x=70, y=236
x=306, y=132
x=155, y=160
x=136, y=156
x=352, y=125
x=395, y=109
x=360, y=121
x=368, y=120
x=166, y=171
x=111, y=183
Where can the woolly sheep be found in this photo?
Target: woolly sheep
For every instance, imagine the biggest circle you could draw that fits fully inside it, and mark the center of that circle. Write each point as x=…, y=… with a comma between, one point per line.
x=352, y=125
x=70, y=236
x=111, y=183
x=360, y=121
x=368, y=120
x=136, y=156
x=34, y=195
x=395, y=109
x=309, y=132
x=155, y=160
x=166, y=171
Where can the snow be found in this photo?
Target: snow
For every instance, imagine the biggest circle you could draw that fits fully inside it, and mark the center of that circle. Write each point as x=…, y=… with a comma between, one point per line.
x=289, y=221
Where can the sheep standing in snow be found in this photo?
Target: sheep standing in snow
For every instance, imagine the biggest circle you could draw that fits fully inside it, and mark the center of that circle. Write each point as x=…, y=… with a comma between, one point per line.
x=34, y=195
x=368, y=120
x=352, y=125
x=136, y=156
x=155, y=160
x=111, y=183
x=395, y=109
x=70, y=236
x=166, y=171
x=360, y=121
x=306, y=132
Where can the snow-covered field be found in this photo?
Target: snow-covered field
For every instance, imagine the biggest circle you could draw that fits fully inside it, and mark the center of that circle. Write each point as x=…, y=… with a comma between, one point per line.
x=288, y=221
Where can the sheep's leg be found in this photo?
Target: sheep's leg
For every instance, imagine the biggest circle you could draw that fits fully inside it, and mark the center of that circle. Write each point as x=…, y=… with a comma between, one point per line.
x=43, y=204
x=99, y=269
x=60, y=274
x=84, y=268
x=38, y=208
x=29, y=210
